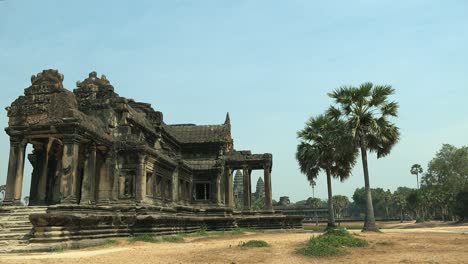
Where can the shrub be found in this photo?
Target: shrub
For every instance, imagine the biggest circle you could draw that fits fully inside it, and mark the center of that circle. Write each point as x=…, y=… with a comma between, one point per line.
x=203, y=231
x=318, y=248
x=330, y=243
x=253, y=243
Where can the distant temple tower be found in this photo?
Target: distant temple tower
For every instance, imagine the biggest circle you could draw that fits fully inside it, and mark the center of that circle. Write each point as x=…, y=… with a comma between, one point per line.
x=260, y=189
x=238, y=187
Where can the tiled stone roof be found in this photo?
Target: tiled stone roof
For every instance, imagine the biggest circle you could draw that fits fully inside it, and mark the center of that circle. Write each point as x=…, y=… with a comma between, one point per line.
x=188, y=133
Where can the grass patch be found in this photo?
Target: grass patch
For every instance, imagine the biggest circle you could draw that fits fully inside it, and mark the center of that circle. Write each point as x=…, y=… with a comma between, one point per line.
x=148, y=238
x=253, y=243
x=331, y=244
x=173, y=238
x=203, y=231
x=318, y=248
x=237, y=231
x=323, y=228
x=143, y=238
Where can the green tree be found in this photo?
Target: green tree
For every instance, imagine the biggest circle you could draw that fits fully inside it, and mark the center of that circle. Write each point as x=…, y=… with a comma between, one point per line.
x=461, y=205
x=366, y=111
x=416, y=169
x=340, y=202
x=26, y=200
x=447, y=175
x=400, y=200
x=314, y=202
x=324, y=146
x=2, y=193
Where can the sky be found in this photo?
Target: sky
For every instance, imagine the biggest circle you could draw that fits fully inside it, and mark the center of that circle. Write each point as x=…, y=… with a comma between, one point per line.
x=270, y=64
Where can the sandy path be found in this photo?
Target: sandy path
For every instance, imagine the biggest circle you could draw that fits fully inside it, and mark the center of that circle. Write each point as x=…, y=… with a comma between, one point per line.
x=392, y=246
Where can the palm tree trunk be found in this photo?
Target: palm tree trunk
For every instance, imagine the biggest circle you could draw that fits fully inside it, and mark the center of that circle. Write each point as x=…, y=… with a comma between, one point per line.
x=331, y=214
x=417, y=180
x=369, y=221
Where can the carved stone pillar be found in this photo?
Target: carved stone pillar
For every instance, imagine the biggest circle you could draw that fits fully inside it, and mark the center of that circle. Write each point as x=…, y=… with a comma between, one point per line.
x=268, y=193
x=87, y=187
x=246, y=185
x=175, y=185
x=15, y=172
x=103, y=185
x=36, y=159
x=68, y=185
x=141, y=178
x=42, y=181
x=229, y=195
x=219, y=186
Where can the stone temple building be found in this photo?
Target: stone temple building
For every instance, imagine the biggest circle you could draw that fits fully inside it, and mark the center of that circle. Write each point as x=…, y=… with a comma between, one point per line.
x=97, y=153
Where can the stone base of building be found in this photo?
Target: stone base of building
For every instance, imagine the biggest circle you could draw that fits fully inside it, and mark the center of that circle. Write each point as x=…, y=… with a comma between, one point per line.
x=65, y=223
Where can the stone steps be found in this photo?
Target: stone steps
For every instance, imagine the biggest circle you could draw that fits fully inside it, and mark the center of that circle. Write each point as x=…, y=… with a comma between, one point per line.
x=15, y=227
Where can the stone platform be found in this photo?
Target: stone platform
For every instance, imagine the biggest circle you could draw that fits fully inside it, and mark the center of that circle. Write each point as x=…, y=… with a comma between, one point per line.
x=72, y=223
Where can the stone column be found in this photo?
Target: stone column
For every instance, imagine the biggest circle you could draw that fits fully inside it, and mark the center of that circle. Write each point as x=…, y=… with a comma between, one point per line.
x=42, y=182
x=141, y=178
x=35, y=160
x=15, y=172
x=268, y=193
x=68, y=185
x=219, y=186
x=103, y=189
x=229, y=195
x=246, y=185
x=87, y=187
x=175, y=185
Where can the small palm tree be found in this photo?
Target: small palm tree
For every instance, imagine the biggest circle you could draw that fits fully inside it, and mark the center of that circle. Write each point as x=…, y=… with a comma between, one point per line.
x=416, y=169
x=366, y=111
x=325, y=145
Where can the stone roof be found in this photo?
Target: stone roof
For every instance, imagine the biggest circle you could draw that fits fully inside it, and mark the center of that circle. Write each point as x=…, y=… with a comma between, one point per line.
x=189, y=133
x=201, y=164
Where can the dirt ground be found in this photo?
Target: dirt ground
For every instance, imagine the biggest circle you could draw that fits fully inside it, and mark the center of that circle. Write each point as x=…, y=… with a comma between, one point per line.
x=398, y=243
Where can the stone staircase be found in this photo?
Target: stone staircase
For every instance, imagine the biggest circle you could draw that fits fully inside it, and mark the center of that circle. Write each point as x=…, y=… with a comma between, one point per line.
x=15, y=227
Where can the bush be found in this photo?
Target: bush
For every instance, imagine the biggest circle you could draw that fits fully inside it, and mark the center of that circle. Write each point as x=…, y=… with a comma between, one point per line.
x=318, y=248
x=253, y=243
x=203, y=231
x=330, y=243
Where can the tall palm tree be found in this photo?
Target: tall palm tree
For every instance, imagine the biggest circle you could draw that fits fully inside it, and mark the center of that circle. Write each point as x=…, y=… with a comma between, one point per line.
x=325, y=146
x=416, y=169
x=367, y=110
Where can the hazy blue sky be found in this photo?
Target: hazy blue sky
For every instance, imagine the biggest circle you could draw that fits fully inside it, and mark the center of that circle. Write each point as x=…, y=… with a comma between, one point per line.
x=269, y=63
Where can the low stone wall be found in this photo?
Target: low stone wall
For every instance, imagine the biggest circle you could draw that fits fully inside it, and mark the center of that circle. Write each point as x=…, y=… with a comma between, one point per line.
x=64, y=223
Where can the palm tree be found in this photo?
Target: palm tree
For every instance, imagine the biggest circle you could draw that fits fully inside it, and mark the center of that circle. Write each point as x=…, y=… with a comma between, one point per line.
x=366, y=110
x=416, y=169
x=325, y=147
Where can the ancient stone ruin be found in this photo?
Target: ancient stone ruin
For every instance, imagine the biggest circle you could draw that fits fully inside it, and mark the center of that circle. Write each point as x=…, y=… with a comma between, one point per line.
x=105, y=165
